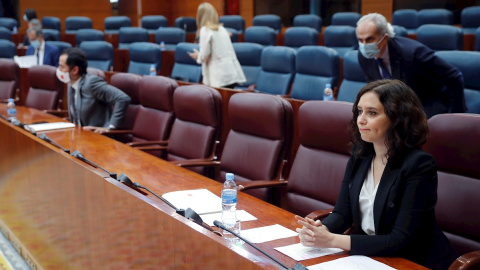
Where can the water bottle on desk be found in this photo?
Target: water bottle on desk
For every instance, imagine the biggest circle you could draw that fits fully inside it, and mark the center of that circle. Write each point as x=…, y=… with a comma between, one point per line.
x=11, y=110
x=328, y=92
x=162, y=46
x=229, y=208
x=153, y=70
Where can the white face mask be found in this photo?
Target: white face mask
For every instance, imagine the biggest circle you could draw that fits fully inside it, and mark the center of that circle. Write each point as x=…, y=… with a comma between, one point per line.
x=63, y=76
x=370, y=50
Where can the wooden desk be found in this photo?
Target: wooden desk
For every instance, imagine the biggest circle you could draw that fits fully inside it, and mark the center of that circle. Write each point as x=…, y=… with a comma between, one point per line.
x=64, y=214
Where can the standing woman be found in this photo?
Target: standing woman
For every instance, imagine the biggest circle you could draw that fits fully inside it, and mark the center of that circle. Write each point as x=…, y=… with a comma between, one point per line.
x=220, y=67
x=389, y=190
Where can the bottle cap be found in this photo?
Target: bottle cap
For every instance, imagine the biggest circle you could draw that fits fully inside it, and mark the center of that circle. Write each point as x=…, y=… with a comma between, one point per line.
x=328, y=85
x=10, y=100
x=229, y=176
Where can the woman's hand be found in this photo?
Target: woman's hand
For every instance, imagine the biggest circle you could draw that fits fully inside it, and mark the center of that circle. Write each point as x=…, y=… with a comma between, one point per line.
x=194, y=54
x=313, y=233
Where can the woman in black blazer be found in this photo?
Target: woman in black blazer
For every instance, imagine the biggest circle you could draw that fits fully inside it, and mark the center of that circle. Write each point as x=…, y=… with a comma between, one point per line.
x=389, y=190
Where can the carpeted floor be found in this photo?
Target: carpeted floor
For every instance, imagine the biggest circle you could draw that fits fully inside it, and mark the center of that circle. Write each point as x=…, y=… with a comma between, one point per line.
x=9, y=257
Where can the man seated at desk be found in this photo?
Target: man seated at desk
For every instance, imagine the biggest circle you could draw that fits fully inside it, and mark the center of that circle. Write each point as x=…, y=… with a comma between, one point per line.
x=90, y=98
x=46, y=54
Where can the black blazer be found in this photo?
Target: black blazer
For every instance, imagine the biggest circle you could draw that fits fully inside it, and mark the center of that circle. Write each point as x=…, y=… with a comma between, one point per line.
x=404, y=212
x=438, y=84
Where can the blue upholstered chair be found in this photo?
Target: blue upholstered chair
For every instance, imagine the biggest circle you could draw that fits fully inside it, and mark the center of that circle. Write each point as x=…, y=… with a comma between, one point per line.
x=114, y=23
x=353, y=78
x=7, y=49
x=88, y=35
x=5, y=33
x=185, y=68
x=296, y=37
x=469, y=65
x=477, y=39
x=233, y=34
x=407, y=18
x=61, y=45
x=74, y=23
x=308, y=20
x=171, y=36
x=153, y=22
x=341, y=38
x=470, y=18
x=129, y=35
x=233, y=21
x=278, y=70
x=346, y=18
x=270, y=20
x=249, y=55
x=142, y=56
x=435, y=16
x=315, y=67
x=51, y=35
x=400, y=31
x=99, y=54
x=8, y=23
x=262, y=35
x=189, y=24
x=440, y=37
x=49, y=22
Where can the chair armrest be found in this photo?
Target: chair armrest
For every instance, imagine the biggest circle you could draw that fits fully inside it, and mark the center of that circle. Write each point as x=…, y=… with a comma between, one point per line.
x=196, y=162
x=147, y=143
x=116, y=132
x=319, y=214
x=284, y=96
x=146, y=148
x=467, y=261
x=261, y=184
x=60, y=113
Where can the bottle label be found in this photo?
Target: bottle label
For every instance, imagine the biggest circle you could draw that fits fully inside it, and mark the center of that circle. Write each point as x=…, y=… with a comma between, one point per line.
x=229, y=196
x=11, y=112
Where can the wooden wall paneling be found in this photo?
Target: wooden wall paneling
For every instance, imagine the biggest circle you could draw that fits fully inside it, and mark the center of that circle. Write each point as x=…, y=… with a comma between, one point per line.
x=247, y=11
x=384, y=7
x=189, y=7
x=129, y=8
x=158, y=7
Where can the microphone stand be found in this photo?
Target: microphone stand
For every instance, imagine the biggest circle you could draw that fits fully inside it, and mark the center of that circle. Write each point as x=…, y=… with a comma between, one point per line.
x=79, y=155
x=44, y=137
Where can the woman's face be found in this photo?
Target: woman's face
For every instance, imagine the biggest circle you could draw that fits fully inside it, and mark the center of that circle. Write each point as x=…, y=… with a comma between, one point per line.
x=372, y=122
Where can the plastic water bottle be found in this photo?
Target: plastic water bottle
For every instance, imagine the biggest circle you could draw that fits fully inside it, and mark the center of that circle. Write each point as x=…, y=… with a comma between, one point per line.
x=328, y=92
x=229, y=204
x=12, y=110
x=153, y=70
x=15, y=30
x=162, y=46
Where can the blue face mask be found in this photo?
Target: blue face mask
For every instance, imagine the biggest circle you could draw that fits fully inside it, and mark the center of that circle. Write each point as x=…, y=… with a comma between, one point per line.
x=370, y=50
x=35, y=43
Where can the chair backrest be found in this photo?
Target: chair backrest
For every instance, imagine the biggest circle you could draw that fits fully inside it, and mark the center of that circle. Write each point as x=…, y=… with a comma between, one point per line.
x=96, y=72
x=188, y=24
x=88, y=35
x=7, y=49
x=346, y=18
x=142, y=56
x=308, y=20
x=262, y=35
x=236, y=22
x=440, y=37
x=61, y=45
x=299, y=36
x=74, y=23
x=153, y=22
x=341, y=38
x=171, y=36
x=129, y=35
x=259, y=138
x=278, y=70
x=468, y=63
x=315, y=67
x=5, y=33
x=99, y=54
x=129, y=84
x=400, y=31
x=250, y=57
x=435, y=16
x=45, y=88
x=269, y=20
x=9, y=78
x=8, y=23
x=353, y=78
x=317, y=171
x=407, y=18
x=470, y=19
x=233, y=34
x=114, y=23
x=197, y=125
x=49, y=22
x=51, y=34
x=453, y=142
x=185, y=68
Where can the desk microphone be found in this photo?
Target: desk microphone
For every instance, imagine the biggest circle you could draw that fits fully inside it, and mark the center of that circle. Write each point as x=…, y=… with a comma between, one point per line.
x=297, y=266
x=13, y=121
x=79, y=155
x=44, y=137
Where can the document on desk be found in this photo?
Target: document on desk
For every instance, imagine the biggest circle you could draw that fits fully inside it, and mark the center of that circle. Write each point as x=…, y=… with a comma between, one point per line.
x=242, y=215
x=49, y=126
x=202, y=201
x=26, y=61
x=299, y=252
x=267, y=233
x=352, y=263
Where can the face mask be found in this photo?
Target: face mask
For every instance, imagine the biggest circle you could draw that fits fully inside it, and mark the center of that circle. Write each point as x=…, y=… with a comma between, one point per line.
x=63, y=76
x=25, y=18
x=35, y=43
x=370, y=50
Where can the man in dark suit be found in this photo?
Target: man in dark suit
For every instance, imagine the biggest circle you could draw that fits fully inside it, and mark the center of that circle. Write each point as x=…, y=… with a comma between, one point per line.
x=90, y=98
x=382, y=55
x=46, y=53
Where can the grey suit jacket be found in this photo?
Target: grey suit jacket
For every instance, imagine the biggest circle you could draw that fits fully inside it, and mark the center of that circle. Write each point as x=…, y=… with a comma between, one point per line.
x=94, y=102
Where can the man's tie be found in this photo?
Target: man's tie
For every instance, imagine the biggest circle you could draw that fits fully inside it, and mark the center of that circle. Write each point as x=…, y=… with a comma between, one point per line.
x=385, y=73
x=38, y=56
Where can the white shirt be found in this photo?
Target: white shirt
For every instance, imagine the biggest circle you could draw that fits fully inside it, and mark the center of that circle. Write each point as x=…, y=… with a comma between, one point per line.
x=366, y=201
x=41, y=52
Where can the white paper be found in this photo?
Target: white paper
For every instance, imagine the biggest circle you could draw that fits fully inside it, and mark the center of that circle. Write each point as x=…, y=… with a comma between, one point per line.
x=267, y=233
x=25, y=61
x=49, y=126
x=242, y=215
x=299, y=252
x=202, y=201
x=352, y=263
